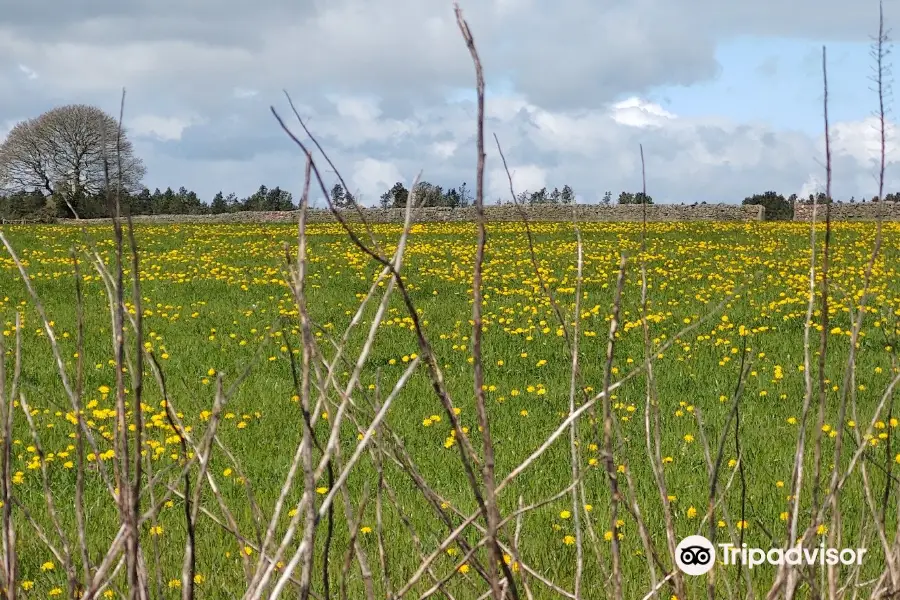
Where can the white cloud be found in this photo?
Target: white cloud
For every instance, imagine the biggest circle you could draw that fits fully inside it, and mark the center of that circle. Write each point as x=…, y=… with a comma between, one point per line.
x=862, y=140
x=161, y=128
x=371, y=177
x=444, y=149
x=242, y=93
x=639, y=113
x=29, y=73
x=358, y=109
x=812, y=185
x=524, y=177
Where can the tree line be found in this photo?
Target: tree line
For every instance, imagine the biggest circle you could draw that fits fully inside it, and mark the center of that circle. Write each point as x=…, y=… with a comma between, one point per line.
x=60, y=164
x=34, y=205
x=781, y=208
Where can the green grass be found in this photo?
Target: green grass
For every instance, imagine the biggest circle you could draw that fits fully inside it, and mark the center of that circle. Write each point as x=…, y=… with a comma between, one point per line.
x=211, y=292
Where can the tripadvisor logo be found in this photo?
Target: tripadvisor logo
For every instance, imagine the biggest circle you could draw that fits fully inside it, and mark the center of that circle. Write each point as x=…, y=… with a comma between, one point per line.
x=696, y=555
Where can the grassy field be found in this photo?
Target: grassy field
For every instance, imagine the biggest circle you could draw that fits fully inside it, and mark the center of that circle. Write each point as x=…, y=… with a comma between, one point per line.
x=215, y=301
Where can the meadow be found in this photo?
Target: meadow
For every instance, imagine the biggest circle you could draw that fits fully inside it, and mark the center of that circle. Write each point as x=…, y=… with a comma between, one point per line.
x=217, y=305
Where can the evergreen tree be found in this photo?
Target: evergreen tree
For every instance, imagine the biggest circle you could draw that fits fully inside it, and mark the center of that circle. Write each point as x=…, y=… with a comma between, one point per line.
x=338, y=196
x=218, y=204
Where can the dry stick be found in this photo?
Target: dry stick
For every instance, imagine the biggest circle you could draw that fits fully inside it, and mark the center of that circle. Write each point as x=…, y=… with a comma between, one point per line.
x=519, y=512
x=299, y=299
x=417, y=542
x=117, y=298
x=467, y=454
x=810, y=531
x=39, y=531
x=171, y=416
x=101, y=576
x=492, y=512
x=609, y=461
x=360, y=554
x=121, y=460
x=57, y=356
x=68, y=563
x=709, y=516
x=848, y=383
x=551, y=296
x=592, y=534
x=247, y=542
x=471, y=520
x=787, y=576
x=854, y=459
x=326, y=584
x=189, y=565
x=853, y=580
x=248, y=487
x=342, y=478
x=573, y=431
x=563, y=426
x=539, y=274
x=823, y=338
x=439, y=584
x=137, y=372
x=870, y=501
x=651, y=408
x=655, y=591
x=737, y=450
x=346, y=399
x=437, y=501
x=849, y=372
x=634, y=509
x=379, y=490
x=79, y=436
x=111, y=578
x=515, y=548
x=261, y=573
x=10, y=561
x=157, y=590
x=157, y=371
x=353, y=530
x=734, y=414
x=880, y=53
x=532, y=254
x=354, y=548
x=309, y=482
x=556, y=308
x=334, y=169
x=895, y=555
x=189, y=562
x=198, y=451
x=403, y=460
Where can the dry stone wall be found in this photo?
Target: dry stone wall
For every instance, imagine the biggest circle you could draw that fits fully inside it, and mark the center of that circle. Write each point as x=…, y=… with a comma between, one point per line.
x=553, y=213
x=844, y=211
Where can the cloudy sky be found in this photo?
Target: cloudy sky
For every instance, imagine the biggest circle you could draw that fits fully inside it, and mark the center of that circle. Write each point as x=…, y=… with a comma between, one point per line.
x=726, y=97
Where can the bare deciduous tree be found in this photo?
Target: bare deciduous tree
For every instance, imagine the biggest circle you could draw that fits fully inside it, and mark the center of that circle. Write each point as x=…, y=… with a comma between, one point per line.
x=60, y=154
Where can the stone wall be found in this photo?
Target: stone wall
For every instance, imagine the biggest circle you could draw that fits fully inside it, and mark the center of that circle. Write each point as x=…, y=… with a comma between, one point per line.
x=585, y=212
x=844, y=211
